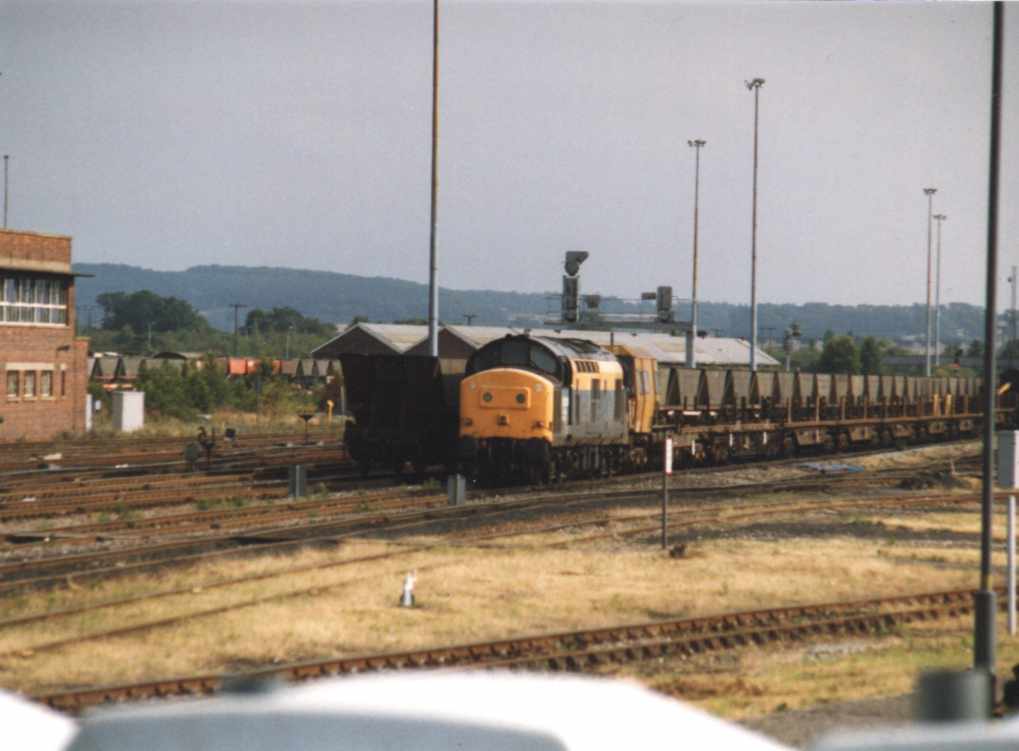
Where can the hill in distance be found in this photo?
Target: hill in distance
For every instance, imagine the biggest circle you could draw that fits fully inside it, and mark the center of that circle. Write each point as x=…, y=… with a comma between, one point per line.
x=338, y=298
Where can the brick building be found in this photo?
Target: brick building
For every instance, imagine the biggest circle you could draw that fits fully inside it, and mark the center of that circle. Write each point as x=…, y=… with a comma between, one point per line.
x=42, y=363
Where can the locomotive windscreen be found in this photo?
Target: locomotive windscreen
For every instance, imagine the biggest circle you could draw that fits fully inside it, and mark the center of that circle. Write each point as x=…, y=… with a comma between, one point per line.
x=516, y=353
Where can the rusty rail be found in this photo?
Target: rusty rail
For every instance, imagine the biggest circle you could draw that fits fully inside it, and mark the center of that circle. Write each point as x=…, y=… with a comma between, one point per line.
x=582, y=649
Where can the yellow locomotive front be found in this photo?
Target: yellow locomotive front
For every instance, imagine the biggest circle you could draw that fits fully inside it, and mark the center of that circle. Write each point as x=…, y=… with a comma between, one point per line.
x=536, y=408
x=507, y=403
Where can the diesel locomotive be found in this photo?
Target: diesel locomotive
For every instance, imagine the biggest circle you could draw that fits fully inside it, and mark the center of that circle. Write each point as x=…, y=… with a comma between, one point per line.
x=540, y=408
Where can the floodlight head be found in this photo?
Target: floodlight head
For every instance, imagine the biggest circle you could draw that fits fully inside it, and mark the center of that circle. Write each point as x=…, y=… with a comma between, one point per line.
x=573, y=260
x=696, y=142
x=941, y=217
x=648, y=295
x=754, y=84
x=930, y=191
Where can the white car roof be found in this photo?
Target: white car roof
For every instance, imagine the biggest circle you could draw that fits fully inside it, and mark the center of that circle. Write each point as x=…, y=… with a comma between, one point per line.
x=28, y=726
x=426, y=712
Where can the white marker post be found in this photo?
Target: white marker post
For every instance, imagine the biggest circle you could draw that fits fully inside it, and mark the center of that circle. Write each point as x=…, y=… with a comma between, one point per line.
x=665, y=492
x=1008, y=477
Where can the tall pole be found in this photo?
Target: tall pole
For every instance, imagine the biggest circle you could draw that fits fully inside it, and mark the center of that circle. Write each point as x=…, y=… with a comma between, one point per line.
x=939, y=218
x=927, y=347
x=1012, y=311
x=696, y=144
x=984, y=604
x=755, y=86
x=236, y=306
x=433, y=256
x=7, y=158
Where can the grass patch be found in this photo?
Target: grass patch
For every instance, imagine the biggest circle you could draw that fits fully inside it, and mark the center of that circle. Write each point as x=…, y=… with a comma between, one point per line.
x=465, y=594
x=756, y=683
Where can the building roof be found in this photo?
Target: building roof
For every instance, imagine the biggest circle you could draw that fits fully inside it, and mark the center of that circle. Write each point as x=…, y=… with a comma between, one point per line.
x=411, y=339
x=396, y=337
x=168, y=355
x=663, y=347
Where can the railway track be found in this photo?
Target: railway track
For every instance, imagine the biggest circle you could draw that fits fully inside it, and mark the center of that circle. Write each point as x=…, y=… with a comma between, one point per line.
x=100, y=454
x=581, y=650
x=334, y=520
x=748, y=512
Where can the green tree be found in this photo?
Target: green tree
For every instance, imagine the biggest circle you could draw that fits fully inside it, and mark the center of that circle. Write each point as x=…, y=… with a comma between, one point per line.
x=975, y=349
x=141, y=310
x=870, y=356
x=839, y=355
x=1008, y=354
x=166, y=392
x=282, y=320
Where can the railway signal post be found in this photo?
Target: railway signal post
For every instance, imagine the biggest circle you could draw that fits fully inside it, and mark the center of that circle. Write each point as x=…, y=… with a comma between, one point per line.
x=666, y=471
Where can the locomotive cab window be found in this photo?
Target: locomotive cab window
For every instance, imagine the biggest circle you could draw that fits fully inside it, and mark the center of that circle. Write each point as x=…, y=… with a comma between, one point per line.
x=514, y=354
x=543, y=360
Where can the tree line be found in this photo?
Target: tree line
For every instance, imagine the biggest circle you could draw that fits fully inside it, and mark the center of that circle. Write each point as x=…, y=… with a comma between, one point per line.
x=144, y=321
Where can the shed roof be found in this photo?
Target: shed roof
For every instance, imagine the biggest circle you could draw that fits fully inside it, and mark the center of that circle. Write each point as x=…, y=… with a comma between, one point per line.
x=170, y=355
x=397, y=337
x=663, y=347
x=412, y=339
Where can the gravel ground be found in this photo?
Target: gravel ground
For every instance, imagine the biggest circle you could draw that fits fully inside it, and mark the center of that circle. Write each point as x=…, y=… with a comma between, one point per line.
x=798, y=728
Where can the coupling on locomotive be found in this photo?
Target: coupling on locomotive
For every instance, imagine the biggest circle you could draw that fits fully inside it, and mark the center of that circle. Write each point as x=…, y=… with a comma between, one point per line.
x=541, y=408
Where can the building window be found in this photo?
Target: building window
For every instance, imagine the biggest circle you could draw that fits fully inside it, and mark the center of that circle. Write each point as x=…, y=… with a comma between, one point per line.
x=63, y=383
x=13, y=384
x=46, y=383
x=33, y=299
x=29, y=384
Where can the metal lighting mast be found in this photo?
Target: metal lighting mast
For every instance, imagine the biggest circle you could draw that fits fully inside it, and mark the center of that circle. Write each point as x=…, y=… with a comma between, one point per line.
x=696, y=144
x=930, y=208
x=754, y=86
x=1013, y=279
x=939, y=218
x=433, y=256
x=984, y=608
x=236, y=306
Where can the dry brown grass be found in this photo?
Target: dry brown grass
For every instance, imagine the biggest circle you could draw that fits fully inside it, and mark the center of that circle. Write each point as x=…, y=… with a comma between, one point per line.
x=754, y=683
x=475, y=592
x=464, y=595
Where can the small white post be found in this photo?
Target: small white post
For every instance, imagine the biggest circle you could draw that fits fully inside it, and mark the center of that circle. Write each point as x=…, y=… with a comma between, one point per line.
x=407, y=597
x=1011, y=565
x=667, y=470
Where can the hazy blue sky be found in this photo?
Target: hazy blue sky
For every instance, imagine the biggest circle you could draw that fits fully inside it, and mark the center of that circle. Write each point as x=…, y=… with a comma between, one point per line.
x=170, y=134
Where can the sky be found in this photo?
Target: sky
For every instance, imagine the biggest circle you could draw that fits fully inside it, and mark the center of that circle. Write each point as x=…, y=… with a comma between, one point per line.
x=173, y=134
